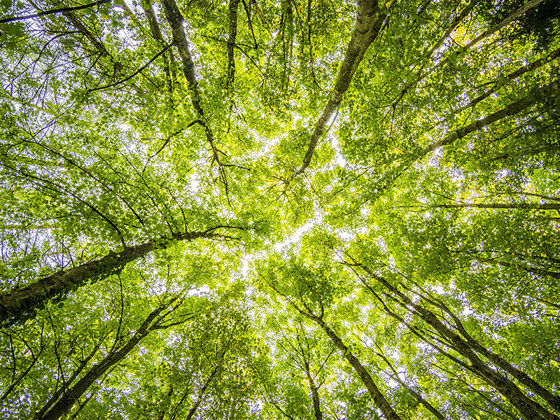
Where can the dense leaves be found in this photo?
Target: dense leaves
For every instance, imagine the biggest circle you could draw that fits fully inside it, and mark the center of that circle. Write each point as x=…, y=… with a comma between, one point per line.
x=280, y=209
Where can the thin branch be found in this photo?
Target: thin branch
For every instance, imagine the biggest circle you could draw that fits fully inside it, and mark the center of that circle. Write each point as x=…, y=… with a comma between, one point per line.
x=53, y=11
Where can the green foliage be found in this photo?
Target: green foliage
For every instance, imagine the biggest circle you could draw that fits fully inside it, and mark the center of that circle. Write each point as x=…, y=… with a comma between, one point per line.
x=416, y=218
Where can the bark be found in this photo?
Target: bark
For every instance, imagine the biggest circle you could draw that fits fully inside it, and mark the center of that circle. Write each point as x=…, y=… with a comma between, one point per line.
x=57, y=394
x=312, y=386
x=169, y=394
x=498, y=361
x=150, y=15
x=314, y=396
x=67, y=400
x=233, y=5
x=176, y=20
x=376, y=394
x=362, y=372
x=200, y=397
x=21, y=303
x=537, y=95
x=17, y=381
x=527, y=407
x=78, y=24
x=517, y=206
x=512, y=76
x=53, y=11
x=415, y=394
x=155, y=29
x=369, y=21
x=471, y=44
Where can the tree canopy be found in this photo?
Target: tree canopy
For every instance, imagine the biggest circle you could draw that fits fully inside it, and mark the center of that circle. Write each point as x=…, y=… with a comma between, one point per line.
x=290, y=209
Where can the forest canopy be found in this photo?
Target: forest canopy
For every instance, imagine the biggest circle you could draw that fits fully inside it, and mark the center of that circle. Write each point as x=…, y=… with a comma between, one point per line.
x=280, y=209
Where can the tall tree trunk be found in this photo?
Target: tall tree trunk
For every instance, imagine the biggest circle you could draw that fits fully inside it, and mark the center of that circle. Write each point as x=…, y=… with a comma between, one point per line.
x=362, y=372
x=526, y=406
x=67, y=400
x=412, y=392
x=534, y=206
x=376, y=394
x=21, y=303
x=369, y=21
x=314, y=394
x=233, y=5
x=200, y=396
x=176, y=21
x=500, y=362
x=537, y=95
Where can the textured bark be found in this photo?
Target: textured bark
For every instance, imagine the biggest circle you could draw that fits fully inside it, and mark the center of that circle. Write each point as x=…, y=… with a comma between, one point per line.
x=152, y=20
x=369, y=21
x=54, y=398
x=21, y=303
x=500, y=362
x=512, y=76
x=233, y=5
x=362, y=372
x=526, y=406
x=314, y=394
x=376, y=394
x=516, y=206
x=155, y=29
x=175, y=19
x=54, y=11
x=69, y=398
x=412, y=392
x=537, y=95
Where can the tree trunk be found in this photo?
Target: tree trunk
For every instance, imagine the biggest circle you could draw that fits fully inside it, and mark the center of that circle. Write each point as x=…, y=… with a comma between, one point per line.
x=362, y=372
x=526, y=406
x=233, y=5
x=534, y=206
x=535, y=96
x=376, y=394
x=21, y=303
x=367, y=27
x=198, y=401
x=67, y=400
x=176, y=20
x=314, y=394
x=498, y=361
x=412, y=392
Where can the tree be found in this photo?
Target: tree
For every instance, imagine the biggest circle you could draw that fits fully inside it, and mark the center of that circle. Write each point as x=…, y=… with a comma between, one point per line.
x=290, y=209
